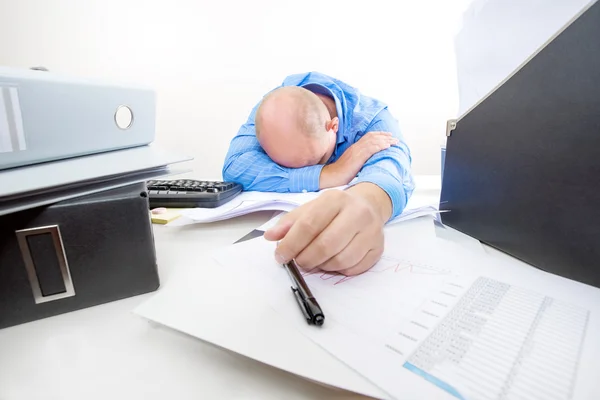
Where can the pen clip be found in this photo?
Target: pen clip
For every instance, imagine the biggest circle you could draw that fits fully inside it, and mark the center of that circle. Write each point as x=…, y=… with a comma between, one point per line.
x=301, y=303
x=308, y=304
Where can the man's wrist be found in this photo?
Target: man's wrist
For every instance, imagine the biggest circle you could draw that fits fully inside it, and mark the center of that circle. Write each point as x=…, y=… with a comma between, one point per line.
x=329, y=177
x=304, y=179
x=376, y=197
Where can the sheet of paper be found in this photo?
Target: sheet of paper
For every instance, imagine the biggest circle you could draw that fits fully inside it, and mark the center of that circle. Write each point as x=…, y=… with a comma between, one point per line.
x=245, y=203
x=412, y=214
x=422, y=200
x=426, y=292
x=201, y=300
x=288, y=198
x=406, y=216
x=498, y=341
x=206, y=215
x=272, y=222
x=249, y=202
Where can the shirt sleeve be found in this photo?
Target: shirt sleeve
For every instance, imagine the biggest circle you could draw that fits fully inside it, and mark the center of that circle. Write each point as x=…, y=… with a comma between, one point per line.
x=249, y=165
x=389, y=169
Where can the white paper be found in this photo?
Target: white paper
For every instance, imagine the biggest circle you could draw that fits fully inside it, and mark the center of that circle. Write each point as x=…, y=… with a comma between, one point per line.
x=245, y=203
x=272, y=222
x=406, y=216
x=250, y=202
x=228, y=211
x=498, y=341
x=369, y=317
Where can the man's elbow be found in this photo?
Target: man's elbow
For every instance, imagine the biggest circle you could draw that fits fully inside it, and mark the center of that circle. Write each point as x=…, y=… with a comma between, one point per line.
x=230, y=176
x=231, y=173
x=226, y=170
x=227, y=174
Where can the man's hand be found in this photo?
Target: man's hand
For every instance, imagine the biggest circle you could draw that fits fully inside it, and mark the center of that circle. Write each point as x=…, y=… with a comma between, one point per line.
x=347, y=166
x=339, y=231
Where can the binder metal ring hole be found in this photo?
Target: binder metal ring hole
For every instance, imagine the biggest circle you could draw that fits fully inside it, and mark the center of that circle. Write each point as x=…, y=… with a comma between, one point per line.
x=124, y=117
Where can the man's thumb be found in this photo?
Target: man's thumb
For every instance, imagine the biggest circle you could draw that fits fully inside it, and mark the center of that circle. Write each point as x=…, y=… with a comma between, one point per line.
x=281, y=229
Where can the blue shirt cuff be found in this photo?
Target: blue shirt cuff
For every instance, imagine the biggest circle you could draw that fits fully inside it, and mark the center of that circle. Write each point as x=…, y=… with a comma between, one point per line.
x=391, y=186
x=305, y=179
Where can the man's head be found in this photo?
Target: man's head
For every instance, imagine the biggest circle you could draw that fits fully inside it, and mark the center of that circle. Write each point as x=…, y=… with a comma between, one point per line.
x=295, y=128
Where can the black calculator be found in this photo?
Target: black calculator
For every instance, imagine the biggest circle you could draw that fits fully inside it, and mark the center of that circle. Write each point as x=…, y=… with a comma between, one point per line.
x=188, y=193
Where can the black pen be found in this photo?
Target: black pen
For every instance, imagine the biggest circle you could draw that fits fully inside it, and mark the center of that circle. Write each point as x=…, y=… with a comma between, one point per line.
x=307, y=302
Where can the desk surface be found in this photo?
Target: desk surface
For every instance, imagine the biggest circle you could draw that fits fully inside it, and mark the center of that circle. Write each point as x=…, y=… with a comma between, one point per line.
x=108, y=352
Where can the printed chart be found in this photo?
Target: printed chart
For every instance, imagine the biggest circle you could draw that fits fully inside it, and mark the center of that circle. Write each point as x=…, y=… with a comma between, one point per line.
x=386, y=265
x=501, y=342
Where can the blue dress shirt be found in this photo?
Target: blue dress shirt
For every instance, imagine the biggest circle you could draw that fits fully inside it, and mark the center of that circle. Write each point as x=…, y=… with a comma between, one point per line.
x=248, y=164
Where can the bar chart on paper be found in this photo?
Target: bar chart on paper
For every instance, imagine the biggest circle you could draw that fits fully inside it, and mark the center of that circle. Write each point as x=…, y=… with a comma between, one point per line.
x=434, y=324
x=387, y=265
x=501, y=342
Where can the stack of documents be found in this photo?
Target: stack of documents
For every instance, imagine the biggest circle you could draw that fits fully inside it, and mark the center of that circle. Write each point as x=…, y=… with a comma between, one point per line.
x=431, y=316
x=245, y=203
x=250, y=202
x=432, y=319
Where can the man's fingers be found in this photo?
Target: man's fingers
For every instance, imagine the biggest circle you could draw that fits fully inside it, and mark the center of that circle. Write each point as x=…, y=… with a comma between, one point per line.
x=387, y=140
x=330, y=241
x=370, y=136
x=378, y=136
x=372, y=143
x=313, y=220
x=282, y=227
x=377, y=146
x=368, y=261
x=350, y=256
x=381, y=140
x=378, y=133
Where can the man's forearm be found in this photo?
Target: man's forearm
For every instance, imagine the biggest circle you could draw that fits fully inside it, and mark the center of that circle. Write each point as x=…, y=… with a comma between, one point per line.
x=329, y=178
x=375, y=196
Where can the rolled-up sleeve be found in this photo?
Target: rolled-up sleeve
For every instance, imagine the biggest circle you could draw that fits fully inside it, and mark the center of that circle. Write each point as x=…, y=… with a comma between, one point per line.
x=389, y=169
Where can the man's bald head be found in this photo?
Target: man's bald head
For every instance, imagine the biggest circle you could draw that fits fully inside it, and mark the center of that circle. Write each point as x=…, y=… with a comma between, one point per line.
x=292, y=127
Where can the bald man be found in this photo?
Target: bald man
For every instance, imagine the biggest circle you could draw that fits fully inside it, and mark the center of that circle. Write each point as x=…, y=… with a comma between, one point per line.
x=315, y=132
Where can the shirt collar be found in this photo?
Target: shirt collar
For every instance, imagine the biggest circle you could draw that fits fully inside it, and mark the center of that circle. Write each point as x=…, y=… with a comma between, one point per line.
x=318, y=88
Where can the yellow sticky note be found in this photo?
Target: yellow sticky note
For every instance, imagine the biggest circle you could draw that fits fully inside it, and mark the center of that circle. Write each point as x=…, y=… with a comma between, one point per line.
x=165, y=217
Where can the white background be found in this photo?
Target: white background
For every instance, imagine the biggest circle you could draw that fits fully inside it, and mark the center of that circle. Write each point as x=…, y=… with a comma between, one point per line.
x=211, y=61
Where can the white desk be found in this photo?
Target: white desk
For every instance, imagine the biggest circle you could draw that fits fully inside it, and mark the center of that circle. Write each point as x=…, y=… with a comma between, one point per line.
x=108, y=352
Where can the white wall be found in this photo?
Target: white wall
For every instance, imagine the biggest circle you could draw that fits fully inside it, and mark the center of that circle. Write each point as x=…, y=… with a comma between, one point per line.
x=211, y=61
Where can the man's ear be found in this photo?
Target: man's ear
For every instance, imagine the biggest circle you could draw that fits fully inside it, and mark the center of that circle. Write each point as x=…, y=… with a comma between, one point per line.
x=333, y=125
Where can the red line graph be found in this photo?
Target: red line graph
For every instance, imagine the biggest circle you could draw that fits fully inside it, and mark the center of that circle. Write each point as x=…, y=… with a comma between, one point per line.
x=386, y=264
